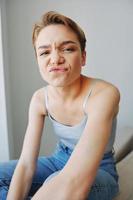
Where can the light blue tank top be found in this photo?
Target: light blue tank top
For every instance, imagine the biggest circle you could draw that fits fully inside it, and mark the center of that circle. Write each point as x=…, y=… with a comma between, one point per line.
x=70, y=135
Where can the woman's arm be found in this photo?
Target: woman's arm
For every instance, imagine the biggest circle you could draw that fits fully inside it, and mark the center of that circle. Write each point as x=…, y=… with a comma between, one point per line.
x=26, y=166
x=82, y=166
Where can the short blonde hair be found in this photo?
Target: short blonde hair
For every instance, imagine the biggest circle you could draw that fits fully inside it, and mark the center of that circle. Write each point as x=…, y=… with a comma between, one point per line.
x=53, y=17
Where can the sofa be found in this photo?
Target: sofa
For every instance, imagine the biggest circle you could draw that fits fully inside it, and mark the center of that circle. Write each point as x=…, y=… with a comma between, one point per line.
x=124, y=162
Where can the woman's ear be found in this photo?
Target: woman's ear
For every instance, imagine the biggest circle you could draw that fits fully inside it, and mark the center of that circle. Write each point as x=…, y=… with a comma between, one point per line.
x=83, y=58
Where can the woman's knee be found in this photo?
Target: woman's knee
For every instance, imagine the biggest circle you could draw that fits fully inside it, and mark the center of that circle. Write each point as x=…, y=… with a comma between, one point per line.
x=104, y=187
x=7, y=169
x=51, y=176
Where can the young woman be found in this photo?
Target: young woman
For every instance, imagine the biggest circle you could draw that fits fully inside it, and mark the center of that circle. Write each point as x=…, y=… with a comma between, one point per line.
x=83, y=111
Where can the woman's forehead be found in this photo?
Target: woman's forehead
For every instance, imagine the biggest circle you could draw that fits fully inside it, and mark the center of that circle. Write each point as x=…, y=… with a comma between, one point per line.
x=56, y=34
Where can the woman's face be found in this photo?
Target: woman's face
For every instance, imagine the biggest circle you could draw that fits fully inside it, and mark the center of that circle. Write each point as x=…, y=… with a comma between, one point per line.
x=59, y=55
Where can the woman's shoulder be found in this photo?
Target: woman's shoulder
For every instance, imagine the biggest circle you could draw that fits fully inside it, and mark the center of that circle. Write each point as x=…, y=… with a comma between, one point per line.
x=105, y=87
x=103, y=93
x=38, y=98
x=99, y=85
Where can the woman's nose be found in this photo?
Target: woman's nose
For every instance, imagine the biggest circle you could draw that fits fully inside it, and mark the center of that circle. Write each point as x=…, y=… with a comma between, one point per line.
x=56, y=58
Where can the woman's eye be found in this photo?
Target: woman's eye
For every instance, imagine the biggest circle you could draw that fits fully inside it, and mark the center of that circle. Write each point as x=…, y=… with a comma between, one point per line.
x=68, y=50
x=44, y=53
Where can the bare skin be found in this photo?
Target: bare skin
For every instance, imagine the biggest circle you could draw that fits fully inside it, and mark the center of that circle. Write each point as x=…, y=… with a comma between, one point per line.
x=60, y=62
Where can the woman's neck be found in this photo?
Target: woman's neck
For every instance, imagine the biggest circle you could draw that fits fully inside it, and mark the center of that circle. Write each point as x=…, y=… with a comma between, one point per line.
x=68, y=92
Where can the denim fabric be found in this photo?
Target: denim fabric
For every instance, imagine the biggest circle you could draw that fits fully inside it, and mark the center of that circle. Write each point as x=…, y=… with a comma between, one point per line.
x=105, y=186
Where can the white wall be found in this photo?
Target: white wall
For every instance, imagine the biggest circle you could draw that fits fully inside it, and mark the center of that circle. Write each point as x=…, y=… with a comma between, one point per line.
x=4, y=150
x=6, y=138
x=109, y=30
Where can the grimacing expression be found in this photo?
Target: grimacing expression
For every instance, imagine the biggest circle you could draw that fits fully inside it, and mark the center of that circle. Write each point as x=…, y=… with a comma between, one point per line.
x=59, y=55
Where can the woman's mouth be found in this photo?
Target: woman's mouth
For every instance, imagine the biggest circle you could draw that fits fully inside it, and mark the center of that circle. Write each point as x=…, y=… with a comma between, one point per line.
x=58, y=69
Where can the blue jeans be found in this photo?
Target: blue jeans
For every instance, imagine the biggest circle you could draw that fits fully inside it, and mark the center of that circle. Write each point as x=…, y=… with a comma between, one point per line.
x=105, y=186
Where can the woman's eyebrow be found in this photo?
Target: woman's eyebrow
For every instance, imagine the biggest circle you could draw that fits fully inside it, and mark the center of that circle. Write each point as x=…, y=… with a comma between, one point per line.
x=61, y=44
x=68, y=42
x=44, y=46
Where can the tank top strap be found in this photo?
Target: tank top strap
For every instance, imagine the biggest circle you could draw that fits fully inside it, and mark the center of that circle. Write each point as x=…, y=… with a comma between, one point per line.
x=89, y=94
